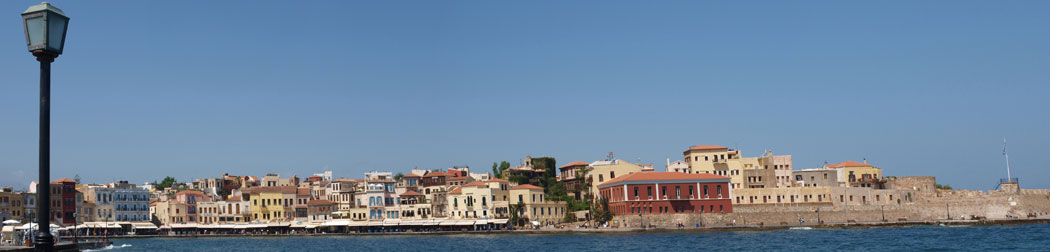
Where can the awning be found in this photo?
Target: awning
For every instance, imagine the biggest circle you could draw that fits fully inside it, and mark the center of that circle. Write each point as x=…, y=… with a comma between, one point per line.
x=448, y=223
x=278, y=224
x=336, y=223
x=375, y=224
x=142, y=225
x=255, y=226
x=311, y=226
x=499, y=221
x=358, y=224
x=173, y=226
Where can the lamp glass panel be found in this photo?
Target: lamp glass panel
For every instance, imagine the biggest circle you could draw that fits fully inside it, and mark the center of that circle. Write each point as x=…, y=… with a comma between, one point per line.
x=35, y=28
x=55, y=31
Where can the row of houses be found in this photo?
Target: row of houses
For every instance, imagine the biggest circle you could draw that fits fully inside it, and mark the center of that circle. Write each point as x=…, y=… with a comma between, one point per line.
x=709, y=179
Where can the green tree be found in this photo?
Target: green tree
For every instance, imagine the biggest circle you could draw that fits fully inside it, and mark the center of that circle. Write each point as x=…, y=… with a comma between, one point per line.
x=503, y=166
x=602, y=214
x=399, y=176
x=495, y=170
x=168, y=181
x=945, y=187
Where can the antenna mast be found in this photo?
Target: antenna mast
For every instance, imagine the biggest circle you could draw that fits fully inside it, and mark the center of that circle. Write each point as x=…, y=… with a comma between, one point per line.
x=1007, y=156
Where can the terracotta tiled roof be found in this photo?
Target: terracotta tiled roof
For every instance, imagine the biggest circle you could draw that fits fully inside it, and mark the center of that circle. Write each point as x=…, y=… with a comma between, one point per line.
x=457, y=178
x=577, y=163
x=706, y=147
x=411, y=193
x=848, y=164
x=275, y=189
x=63, y=180
x=312, y=202
x=476, y=183
x=189, y=192
x=234, y=198
x=526, y=186
x=436, y=174
x=303, y=192
x=651, y=176
x=458, y=190
x=300, y=206
x=411, y=175
x=496, y=180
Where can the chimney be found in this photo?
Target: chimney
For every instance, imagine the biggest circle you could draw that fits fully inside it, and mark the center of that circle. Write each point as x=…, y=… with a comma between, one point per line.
x=865, y=160
x=668, y=162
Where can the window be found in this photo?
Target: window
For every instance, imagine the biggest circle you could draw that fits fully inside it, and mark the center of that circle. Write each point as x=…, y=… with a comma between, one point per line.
x=663, y=191
x=705, y=191
x=678, y=192
x=612, y=174
x=690, y=191
x=650, y=191
x=600, y=179
x=635, y=193
x=520, y=198
x=719, y=190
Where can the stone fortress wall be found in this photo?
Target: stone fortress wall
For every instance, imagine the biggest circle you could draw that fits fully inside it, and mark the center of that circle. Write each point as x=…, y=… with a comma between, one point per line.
x=926, y=203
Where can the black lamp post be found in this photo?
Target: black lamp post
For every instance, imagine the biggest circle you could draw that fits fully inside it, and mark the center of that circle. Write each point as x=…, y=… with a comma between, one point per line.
x=45, y=28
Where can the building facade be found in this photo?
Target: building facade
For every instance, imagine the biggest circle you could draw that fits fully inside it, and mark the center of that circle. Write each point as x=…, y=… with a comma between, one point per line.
x=667, y=192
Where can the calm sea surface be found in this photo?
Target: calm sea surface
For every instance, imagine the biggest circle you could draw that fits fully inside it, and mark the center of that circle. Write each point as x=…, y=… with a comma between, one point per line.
x=1035, y=237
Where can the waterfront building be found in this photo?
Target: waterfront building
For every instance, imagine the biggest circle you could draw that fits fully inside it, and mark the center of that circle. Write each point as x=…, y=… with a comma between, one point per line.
x=822, y=195
x=378, y=191
x=63, y=201
x=526, y=170
x=234, y=210
x=529, y=201
x=855, y=174
x=11, y=206
x=767, y=171
x=342, y=192
x=190, y=199
x=169, y=212
x=272, y=203
x=29, y=205
x=272, y=179
x=667, y=192
x=477, y=200
x=570, y=176
x=414, y=205
x=820, y=177
x=320, y=210
x=609, y=169
x=436, y=189
x=208, y=212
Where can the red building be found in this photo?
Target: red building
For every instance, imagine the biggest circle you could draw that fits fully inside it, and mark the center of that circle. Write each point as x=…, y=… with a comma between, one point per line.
x=667, y=193
x=63, y=201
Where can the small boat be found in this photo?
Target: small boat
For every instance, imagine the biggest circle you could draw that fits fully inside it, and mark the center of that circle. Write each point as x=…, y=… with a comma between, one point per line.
x=801, y=228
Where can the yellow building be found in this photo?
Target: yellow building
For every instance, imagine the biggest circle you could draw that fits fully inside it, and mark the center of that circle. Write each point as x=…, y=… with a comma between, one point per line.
x=744, y=172
x=269, y=203
x=606, y=170
x=855, y=174
x=533, y=206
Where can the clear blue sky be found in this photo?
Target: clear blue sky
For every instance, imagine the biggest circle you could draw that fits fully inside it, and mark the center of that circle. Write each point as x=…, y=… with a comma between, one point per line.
x=197, y=88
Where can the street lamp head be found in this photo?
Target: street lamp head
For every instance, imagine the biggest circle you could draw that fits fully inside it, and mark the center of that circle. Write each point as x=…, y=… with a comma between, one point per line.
x=45, y=28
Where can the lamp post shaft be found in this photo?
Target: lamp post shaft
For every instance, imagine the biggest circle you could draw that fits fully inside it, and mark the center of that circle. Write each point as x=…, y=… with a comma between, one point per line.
x=44, y=240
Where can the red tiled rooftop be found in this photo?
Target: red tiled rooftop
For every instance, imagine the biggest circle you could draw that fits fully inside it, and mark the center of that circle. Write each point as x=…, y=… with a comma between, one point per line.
x=312, y=202
x=526, y=186
x=706, y=147
x=303, y=192
x=848, y=163
x=651, y=176
x=436, y=174
x=234, y=198
x=577, y=163
x=476, y=183
x=275, y=189
x=63, y=180
x=411, y=175
x=189, y=192
x=458, y=190
x=411, y=193
x=497, y=180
